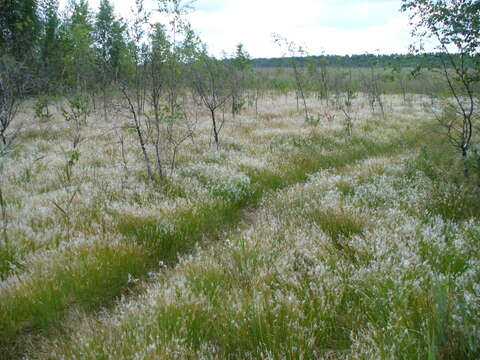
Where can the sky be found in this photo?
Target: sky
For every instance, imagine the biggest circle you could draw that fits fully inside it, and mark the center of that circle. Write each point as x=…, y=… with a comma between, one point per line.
x=337, y=27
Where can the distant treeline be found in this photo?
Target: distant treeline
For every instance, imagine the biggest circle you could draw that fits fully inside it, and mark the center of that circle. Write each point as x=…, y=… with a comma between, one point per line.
x=431, y=60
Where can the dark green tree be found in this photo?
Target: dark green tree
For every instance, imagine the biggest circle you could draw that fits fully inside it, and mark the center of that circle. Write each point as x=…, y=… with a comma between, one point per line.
x=49, y=44
x=19, y=28
x=109, y=44
x=77, y=46
x=239, y=67
x=109, y=37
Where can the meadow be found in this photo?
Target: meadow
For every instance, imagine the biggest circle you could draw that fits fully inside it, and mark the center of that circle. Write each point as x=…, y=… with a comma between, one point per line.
x=354, y=236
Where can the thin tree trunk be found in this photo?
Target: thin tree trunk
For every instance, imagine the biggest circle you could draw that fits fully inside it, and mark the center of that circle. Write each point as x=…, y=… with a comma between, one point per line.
x=3, y=207
x=105, y=113
x=466, y=173
x=215, y=131
x=157, y=143
x=140, y=136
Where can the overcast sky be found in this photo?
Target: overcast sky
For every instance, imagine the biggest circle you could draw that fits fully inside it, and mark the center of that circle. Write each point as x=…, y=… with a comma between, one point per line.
x=322, y=26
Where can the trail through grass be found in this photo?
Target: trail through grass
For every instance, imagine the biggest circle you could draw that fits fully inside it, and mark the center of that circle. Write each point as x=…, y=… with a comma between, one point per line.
x=263, y=287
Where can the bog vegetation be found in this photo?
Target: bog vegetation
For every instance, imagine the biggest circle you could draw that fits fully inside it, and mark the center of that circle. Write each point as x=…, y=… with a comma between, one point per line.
x=157, y=202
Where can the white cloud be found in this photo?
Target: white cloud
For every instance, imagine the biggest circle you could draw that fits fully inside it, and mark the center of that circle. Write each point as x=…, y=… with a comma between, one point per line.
x=333, y=26
x=122, y=7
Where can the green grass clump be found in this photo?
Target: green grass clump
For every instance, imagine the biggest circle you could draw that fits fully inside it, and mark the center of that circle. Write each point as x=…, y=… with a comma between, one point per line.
x=8, y=259
x=457, y=203
x=165, y=242
x=340, y=226
x=346, y=188
x=89, y=277
x=451, y=195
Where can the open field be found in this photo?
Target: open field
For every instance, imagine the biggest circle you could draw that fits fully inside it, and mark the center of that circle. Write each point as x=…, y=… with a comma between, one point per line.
x=290, y=241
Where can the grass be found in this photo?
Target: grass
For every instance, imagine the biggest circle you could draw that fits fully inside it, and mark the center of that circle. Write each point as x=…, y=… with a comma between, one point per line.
x=7, y=259
x=451, y=196
x=456, y=203
x=167, y=243
x=308, y=249
x=340, y=227
x=85, y=278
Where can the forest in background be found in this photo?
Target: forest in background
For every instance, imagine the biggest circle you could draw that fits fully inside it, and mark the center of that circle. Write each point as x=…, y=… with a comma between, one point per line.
x=79, y=47
x=410, y=61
